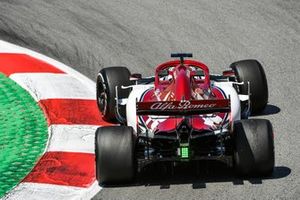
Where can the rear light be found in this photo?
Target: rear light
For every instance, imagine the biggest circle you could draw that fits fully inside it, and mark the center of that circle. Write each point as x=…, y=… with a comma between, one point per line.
x=184, y=152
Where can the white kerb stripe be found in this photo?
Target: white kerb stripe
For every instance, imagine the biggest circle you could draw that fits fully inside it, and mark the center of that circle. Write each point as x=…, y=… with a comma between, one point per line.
x=72, y=138
x=6, y=47
x=50, y=86
x=38, y=191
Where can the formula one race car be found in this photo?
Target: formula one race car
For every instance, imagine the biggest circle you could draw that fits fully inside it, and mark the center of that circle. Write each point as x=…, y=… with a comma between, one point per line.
x=183, y=114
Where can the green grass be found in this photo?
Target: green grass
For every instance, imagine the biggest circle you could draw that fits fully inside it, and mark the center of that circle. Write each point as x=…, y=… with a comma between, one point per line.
x=23, y=133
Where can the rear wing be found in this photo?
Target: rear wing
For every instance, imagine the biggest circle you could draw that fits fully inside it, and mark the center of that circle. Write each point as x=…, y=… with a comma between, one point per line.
x=193, y=107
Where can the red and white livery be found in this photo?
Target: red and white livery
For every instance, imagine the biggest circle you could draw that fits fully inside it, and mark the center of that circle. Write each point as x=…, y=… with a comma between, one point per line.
x=182, y=113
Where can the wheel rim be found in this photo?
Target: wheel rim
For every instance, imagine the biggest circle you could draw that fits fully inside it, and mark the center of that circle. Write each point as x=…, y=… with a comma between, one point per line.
x=103, y=102
x=102, y=97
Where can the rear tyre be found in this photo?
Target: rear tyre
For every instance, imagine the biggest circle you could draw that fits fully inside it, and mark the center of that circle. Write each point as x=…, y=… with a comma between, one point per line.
x=253, y=72
x=115, y=157
x=254, y=147
x=107, y=80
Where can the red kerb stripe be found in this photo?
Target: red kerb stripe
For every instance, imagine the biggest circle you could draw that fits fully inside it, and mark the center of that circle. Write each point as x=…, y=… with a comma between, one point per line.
x=72, y=111
x=64, y=168
x=11, y=63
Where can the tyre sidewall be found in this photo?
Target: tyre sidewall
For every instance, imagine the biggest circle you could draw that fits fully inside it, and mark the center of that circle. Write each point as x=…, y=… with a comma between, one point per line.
x=115, y=155
x=254, y=147
x=112, y=77
x=253, y=72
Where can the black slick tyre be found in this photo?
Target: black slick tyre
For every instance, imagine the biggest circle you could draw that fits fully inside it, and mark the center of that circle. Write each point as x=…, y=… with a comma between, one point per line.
x=253, y=147
x=253, y=72
x=115, y=155
x=107, y=80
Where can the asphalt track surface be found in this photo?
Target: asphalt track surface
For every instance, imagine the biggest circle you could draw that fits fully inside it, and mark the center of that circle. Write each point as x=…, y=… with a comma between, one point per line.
x=88, y=35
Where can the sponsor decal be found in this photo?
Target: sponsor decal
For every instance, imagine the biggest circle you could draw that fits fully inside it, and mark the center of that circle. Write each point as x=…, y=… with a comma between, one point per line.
x=181, y=105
